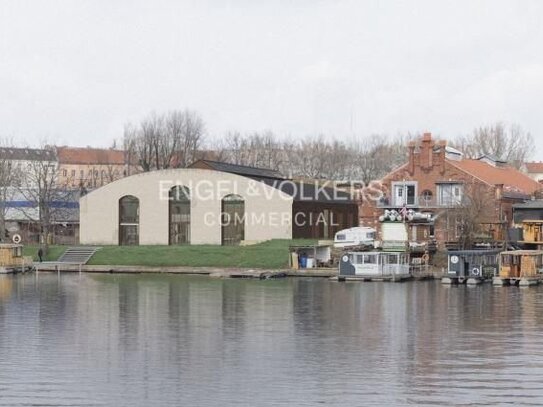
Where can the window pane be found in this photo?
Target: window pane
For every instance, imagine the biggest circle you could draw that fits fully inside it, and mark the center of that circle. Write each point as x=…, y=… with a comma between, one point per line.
x=179, y=229
x=129, y=209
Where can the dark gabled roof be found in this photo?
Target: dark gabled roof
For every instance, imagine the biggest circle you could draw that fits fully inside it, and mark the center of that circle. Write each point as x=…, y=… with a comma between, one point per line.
x=535, y=204
x=27, y=154
x=243, y=170
x=299, y=191
x=310, y=192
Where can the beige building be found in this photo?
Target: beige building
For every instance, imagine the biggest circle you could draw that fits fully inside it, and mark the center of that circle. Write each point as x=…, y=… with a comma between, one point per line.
x=89, y=167
x=184, y=206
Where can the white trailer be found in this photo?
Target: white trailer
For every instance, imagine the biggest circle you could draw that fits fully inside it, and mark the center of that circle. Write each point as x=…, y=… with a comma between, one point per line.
x=357, y=236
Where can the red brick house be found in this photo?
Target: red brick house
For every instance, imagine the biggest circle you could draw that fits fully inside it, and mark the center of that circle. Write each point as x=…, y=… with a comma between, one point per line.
x=437, y=181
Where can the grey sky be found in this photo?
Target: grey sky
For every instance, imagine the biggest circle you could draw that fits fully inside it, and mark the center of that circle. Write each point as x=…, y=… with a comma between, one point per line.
x=76, y=71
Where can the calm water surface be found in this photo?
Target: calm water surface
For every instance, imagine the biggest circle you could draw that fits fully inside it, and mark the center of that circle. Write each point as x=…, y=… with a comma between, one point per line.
x=138, y=340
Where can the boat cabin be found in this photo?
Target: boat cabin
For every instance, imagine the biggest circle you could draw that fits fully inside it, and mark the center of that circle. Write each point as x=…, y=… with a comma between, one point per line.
x=532, y=231
x=12, y=259
x=521, y=264
x=374, y=264
x=478, y=264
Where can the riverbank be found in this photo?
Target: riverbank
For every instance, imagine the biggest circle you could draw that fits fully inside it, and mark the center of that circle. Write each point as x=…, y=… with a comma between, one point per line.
x=271, y=255
x=217, y=272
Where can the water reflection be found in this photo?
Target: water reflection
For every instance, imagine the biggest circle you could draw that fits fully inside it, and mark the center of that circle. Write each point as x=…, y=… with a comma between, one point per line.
x=139, y=340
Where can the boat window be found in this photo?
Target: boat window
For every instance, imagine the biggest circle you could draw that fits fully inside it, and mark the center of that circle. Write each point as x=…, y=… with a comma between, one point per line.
x=392, y=259
x=340, y=236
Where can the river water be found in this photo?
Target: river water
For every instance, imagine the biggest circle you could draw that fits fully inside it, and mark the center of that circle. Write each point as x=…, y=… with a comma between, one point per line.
x=165, y=340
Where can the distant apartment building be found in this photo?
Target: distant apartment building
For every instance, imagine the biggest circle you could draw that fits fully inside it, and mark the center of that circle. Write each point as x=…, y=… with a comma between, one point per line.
x=24, y=172
x=20, y=162
x=85, y=167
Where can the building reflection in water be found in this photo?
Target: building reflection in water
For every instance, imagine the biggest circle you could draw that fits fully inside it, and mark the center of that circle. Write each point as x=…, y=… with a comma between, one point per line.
x=142, y=340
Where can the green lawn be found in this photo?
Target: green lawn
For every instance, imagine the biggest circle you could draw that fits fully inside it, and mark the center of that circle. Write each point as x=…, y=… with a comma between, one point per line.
x=270, y=254
x=54, y=252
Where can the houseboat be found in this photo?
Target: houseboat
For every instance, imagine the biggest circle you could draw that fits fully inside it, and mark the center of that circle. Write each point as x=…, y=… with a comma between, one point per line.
x=12, y=259
x=520, y=267
x=471, y=266
x=374, y=265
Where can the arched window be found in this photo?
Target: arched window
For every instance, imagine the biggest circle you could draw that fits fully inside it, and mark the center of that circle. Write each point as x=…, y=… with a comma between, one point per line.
x=129, y=220
x=179, y=215
x=233, y=219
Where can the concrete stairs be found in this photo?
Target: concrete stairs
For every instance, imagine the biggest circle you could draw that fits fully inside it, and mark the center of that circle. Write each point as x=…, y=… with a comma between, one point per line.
x=77, y=254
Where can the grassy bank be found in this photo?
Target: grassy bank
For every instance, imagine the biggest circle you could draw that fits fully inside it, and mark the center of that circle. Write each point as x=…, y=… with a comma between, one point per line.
x=54, y=252
x=271, y=254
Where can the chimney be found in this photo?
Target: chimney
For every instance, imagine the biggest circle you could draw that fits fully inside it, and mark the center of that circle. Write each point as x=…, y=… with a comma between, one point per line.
x=411, y=167
x=441, y=155
x=499, y=191
x=426, y=151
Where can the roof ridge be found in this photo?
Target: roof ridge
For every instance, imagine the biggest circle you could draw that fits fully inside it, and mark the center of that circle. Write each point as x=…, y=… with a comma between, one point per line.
x=239, y=165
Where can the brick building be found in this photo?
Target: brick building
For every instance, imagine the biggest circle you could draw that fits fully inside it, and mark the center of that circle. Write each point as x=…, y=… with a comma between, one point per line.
x=434, y=186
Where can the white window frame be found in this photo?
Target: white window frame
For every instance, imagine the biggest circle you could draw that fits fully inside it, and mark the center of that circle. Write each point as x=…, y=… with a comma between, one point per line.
x=399, y=193
x=455, y=193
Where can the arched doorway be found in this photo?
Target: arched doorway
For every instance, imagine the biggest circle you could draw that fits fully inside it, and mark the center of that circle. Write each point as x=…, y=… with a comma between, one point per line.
x=179, y=215
x=129, y=220
x=233, y=220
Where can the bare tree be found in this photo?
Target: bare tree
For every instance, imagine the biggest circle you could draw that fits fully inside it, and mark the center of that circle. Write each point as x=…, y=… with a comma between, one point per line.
x=475, y=209
x=48, y=199
x=9, y=178
x=510, y=143
x=367, y=159
x=192, y=137
x=164, y=141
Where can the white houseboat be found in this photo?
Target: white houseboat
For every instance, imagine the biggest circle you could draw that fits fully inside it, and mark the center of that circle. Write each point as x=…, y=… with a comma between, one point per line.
x=378, y=266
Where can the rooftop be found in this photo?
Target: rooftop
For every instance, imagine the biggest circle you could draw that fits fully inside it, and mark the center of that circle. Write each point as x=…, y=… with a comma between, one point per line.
x=512, y=179
x=535, y=204
x=243, y=170
x=87, y=155
x=27, y=154
x=534, y=167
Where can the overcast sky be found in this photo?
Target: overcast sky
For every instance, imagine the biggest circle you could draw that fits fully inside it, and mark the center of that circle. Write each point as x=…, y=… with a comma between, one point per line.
x=75, y=71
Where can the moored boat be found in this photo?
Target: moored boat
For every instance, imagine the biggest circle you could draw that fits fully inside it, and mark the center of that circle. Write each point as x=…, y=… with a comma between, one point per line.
x=12, y=259
x=376, y=265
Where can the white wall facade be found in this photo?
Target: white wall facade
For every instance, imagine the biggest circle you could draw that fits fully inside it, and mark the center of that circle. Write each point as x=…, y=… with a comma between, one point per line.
x=268, y=211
